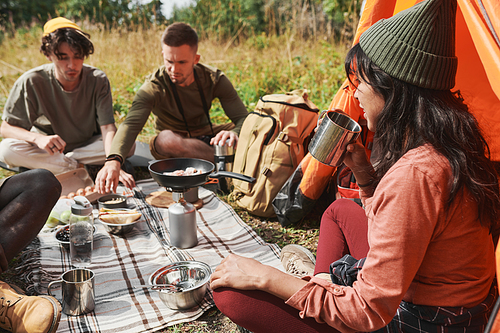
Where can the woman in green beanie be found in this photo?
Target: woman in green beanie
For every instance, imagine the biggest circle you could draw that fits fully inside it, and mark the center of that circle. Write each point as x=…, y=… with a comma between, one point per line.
x=419, y=256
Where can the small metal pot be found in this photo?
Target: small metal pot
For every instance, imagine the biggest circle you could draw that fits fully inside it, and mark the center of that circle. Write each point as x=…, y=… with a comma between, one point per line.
x=104, y=201
x=191, y=277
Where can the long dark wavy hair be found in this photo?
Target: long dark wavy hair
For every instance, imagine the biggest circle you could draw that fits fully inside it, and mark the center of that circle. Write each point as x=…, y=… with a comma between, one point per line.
x=413, y=116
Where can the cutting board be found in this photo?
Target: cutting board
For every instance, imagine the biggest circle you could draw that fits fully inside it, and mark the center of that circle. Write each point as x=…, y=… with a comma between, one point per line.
x=163, y=199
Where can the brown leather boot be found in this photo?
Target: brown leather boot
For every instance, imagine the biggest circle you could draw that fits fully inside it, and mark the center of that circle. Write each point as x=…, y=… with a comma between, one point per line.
x=27, y=314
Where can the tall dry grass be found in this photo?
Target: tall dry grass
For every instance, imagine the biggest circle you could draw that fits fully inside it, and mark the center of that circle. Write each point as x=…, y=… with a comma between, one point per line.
x=256, y=66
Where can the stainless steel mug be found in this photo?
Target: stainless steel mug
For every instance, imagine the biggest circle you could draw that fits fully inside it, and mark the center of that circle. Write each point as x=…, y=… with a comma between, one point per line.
x=224, y=159
x=335, y=132
x=77, y=291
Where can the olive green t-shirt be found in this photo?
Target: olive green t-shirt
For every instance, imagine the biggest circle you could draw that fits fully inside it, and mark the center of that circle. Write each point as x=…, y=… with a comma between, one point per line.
x=156, y=96
x=38, y=103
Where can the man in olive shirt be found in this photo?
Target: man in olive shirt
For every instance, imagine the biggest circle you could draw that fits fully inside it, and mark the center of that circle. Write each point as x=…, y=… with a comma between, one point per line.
x=179, y=94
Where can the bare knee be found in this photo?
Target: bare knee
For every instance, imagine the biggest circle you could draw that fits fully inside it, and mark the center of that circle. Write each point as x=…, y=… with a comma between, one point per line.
x=169, y=144
x=6, y=151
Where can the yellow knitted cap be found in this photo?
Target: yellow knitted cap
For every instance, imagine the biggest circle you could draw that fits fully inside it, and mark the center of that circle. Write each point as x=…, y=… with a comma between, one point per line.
x=58, y=23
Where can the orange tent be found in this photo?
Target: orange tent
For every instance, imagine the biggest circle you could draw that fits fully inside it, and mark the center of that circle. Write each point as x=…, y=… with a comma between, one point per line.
x=478, y=52
x=478, y=79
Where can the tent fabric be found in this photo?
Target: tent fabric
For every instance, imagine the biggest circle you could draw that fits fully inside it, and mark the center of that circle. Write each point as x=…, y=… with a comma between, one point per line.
x=478, y=52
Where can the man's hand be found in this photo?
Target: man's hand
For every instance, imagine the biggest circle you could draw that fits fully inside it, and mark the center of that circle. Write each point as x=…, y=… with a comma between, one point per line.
x=50, y=143
x=222, y=136
x=107, y=179
x=127, y=179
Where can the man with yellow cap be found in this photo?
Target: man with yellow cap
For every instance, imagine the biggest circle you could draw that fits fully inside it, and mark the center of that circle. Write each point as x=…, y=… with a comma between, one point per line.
x=59, y=116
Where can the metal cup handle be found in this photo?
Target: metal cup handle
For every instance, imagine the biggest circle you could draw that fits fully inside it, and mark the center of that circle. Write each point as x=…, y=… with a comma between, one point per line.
x=49, y=287
x=322, y=115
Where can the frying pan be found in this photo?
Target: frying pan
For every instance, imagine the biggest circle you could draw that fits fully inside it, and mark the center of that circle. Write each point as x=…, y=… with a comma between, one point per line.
x=183, y=183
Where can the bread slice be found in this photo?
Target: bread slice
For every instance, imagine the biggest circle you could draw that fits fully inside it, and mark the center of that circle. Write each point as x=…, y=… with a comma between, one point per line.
x=118, y=216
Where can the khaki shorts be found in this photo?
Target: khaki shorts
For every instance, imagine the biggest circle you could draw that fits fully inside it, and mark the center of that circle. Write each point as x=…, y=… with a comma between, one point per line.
x=199, y=134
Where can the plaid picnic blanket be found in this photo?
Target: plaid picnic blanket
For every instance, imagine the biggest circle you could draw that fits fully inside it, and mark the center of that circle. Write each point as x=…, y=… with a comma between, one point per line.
x=120, y=263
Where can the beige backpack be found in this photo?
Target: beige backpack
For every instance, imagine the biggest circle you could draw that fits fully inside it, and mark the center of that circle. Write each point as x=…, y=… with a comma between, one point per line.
x=272, y=142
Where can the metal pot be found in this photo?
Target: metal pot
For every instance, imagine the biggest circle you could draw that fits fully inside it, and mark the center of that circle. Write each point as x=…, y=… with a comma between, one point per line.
x=191, y=278
x=182, y=183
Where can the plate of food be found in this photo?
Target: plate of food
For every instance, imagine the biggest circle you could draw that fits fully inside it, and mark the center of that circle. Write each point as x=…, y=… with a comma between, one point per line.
x=119, y=221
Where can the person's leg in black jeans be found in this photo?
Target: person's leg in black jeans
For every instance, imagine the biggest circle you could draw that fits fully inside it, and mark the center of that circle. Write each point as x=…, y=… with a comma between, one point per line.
x=26, y=200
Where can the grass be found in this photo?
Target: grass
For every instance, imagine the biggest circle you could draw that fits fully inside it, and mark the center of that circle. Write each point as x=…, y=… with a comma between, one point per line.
x=258, y=66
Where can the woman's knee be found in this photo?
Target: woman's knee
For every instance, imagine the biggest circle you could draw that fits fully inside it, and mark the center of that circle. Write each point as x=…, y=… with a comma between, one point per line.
x=225, y=300
x=338, y=208
x=39, y=182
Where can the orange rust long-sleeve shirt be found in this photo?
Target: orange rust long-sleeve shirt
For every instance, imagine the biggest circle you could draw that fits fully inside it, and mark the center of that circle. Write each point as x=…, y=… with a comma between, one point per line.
x=420, y=252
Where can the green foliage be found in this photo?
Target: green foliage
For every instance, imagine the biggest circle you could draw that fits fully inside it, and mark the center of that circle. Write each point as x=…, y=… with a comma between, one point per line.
x=16, y=13
x=339, y=9
x=223, y=18
x=118, y=12
x=243, y=19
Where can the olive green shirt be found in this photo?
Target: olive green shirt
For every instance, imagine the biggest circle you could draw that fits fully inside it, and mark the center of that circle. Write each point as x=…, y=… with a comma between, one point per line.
x=156, y=96
x=38, y=103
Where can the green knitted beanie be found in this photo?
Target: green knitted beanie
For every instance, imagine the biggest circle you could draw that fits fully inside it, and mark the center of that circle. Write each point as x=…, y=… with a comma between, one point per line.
x=416, y=45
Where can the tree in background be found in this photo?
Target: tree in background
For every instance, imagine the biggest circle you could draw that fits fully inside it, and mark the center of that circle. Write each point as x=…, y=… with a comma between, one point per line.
x=223, y=19
x=20, y=13
x=118, y=12
x=233, y=19
x=16, y=13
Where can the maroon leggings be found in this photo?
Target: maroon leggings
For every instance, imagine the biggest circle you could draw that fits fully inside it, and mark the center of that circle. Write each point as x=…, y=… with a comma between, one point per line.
x=343, y=231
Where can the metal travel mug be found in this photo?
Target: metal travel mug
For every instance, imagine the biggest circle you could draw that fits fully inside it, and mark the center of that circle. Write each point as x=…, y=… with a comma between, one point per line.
x=224, y=159
x=182, y=225
x=77, y=291
x=335, y=132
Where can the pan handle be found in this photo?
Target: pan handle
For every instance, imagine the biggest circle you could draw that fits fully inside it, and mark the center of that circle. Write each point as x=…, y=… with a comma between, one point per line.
x=234, y=175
